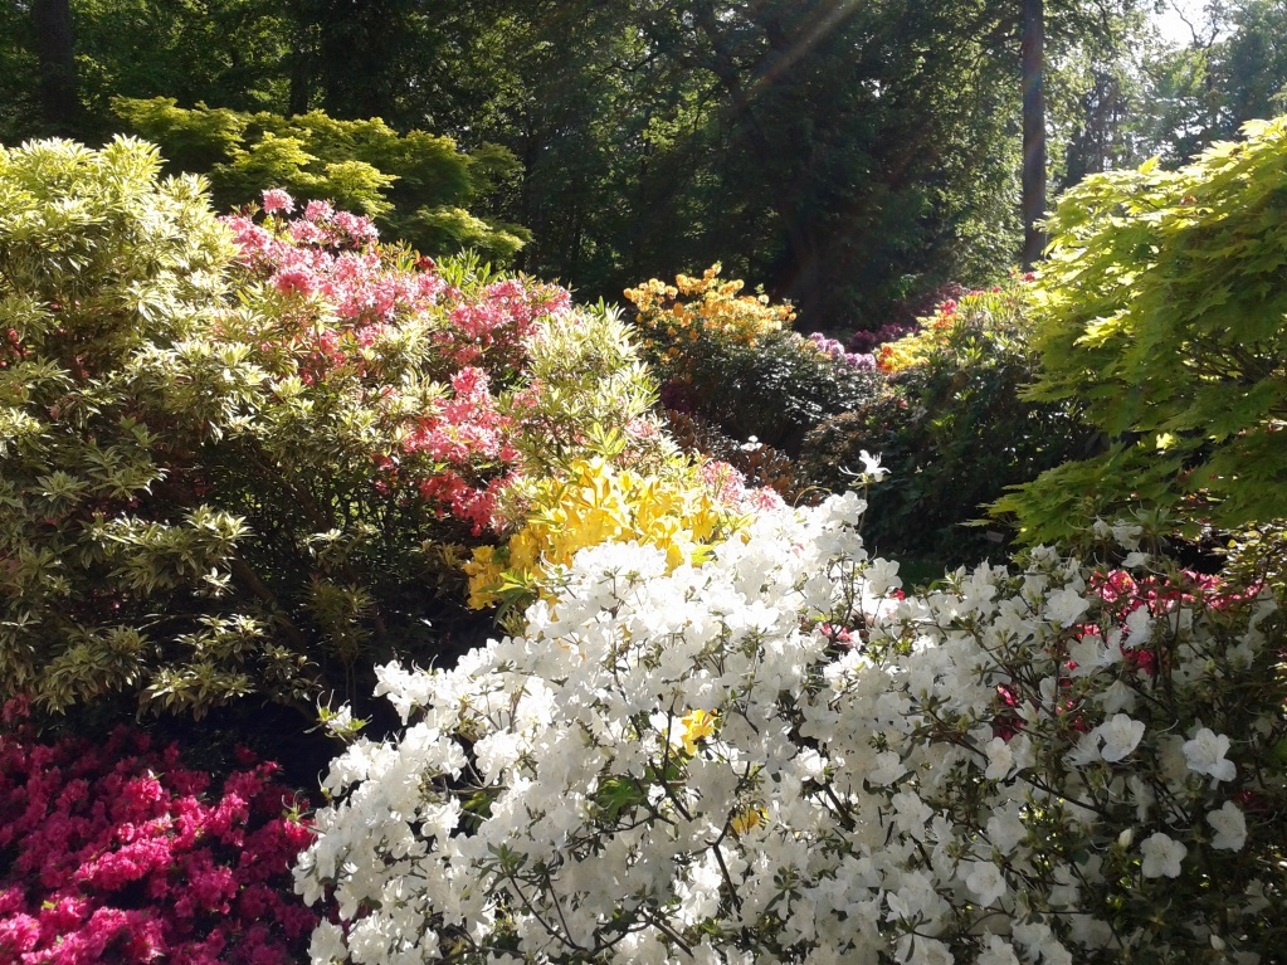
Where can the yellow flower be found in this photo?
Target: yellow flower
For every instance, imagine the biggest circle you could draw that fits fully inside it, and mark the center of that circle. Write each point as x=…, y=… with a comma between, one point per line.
x=747, y=819
x=598, y=504
x=698, y=724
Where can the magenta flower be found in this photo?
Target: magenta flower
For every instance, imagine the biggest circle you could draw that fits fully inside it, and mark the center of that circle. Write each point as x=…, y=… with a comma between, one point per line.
x=118, y=856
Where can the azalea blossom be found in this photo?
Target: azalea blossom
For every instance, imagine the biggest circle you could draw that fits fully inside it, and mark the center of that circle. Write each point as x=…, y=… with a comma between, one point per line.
x=1205, y=754
x=986, y=882
x=662, y=748
x=275, y=199
x=871, y=467
x=1067, y=606
x=1121, y=735
x=1230, y=826
x=1162, y=856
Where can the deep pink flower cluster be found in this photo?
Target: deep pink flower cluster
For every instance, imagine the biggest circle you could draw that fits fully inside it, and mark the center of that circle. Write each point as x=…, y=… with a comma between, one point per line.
x=342, y=291
x=468, y=434
x=490, y=331
x=120, y=853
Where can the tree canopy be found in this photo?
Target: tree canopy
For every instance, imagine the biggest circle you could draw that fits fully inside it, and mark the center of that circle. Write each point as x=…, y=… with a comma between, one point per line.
x=1162, y=307
x=846, y=154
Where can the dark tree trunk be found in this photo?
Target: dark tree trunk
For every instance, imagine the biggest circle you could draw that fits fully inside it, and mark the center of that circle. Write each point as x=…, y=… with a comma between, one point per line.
x=300, y=100
x=1034, y=131
x=56, y=51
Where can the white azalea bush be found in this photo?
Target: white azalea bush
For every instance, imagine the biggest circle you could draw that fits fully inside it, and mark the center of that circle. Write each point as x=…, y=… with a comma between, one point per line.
x=774, y=757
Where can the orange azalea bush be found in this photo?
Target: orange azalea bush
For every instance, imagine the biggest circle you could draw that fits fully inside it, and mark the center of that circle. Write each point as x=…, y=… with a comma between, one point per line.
x=693, y=310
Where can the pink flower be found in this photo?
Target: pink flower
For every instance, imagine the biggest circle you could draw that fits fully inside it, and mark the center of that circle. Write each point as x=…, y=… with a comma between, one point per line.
x=294, y=281
x=319, y=211
x=113, y=859
x=19, y=934
x=275, y=199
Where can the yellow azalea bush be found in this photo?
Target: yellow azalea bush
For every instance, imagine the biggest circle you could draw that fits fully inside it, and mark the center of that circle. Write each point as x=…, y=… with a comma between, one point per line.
x=673, y=319
x=1002, y=308
x=597, y=503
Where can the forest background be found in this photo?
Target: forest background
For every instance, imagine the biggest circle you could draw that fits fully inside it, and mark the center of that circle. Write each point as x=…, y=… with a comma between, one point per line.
x=850, y=157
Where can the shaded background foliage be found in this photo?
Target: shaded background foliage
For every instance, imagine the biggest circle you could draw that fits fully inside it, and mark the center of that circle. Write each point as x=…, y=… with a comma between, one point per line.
x=846, y=154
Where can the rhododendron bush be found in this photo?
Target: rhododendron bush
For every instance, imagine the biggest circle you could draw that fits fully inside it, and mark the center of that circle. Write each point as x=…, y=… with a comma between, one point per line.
x=249, y=456
x=732, y=360
x=118, y=852
x=951, y=423
x=777, y=756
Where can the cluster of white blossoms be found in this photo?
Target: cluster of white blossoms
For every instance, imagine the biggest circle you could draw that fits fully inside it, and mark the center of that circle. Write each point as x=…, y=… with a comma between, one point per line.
x=774, y=757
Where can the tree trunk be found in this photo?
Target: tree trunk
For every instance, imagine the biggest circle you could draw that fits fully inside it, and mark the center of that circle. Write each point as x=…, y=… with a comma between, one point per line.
x=1034, y=131
x=56, y=52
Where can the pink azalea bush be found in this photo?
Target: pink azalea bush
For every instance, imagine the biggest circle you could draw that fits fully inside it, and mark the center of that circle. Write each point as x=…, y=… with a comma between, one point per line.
x=357, y=318
x=274, y=431
x=120, y=852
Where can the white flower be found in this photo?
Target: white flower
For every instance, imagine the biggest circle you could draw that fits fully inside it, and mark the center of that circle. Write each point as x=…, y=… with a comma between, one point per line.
x=911, y=814
x=1085, y=752
x=889, y=768
x=326, y=943
x=1139, y=627
x=1006, y=830
x=872, y=470
x=1117, y=696
x=1162, y=856
x=1121, y=735
x=1065, y=606
x=986, y=882
x=876, y=833
x=1090, y=654
x=1000, y=759
x=997, y=951
x=918, y=950
x=1205, y=754
x=1127, y=534
x=1040, y=942
x=1230, y=827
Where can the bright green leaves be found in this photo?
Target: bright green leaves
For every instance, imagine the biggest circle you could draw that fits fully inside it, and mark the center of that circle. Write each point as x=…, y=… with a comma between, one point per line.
x=1162, y=307
x=418, y=186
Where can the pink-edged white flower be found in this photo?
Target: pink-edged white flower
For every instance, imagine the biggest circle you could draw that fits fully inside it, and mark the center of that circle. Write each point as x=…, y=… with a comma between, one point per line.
x=1121, y=735
x=1162, y=856
x=1230, y=827
x=1205, y=754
